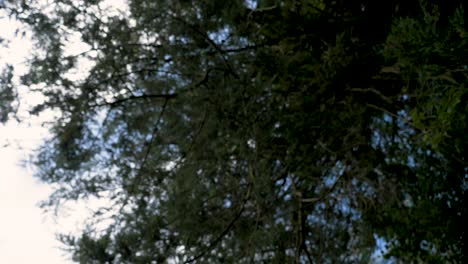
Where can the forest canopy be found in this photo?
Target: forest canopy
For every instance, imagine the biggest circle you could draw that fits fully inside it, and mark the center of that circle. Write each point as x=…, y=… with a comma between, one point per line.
x=255, y=131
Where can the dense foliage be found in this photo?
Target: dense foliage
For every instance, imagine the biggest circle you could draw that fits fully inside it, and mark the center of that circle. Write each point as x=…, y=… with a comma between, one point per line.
x=257, y=131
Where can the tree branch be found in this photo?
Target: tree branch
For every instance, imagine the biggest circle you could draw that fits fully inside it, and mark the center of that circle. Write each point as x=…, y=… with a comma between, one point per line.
x=329, y=191
x=137, y=97
x=153, y=135
x=224, y=233
x=372, y=90
x=210, y=42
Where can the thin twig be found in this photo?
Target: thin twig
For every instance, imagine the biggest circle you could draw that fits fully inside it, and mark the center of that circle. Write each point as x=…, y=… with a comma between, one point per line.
x=153, y=135
x=317, y=199
x=225, y=231
x=210, y=41
x=372, y=90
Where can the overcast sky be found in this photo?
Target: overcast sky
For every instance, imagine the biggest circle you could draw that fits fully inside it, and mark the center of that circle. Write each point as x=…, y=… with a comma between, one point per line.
x=26, y=234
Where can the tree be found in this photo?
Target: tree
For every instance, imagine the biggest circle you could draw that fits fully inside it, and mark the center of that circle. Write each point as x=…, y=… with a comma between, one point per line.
x=7, y=94
x=258, y=131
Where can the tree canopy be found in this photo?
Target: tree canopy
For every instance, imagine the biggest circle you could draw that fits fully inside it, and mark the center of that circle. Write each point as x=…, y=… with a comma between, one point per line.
x=255, y=131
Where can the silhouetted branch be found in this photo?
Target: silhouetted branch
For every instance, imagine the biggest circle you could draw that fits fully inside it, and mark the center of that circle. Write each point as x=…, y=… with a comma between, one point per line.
x=224, y=233
x=137, y=97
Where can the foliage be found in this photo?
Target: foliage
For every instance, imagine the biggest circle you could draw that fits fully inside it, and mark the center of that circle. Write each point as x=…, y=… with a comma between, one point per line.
x=259, y=131
x=7, y=94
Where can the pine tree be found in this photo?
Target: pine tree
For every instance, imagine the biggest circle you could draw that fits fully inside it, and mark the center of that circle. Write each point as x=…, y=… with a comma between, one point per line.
x=257, y=131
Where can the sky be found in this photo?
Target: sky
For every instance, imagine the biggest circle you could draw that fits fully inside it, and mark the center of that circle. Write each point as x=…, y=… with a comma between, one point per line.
x=27, y=235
